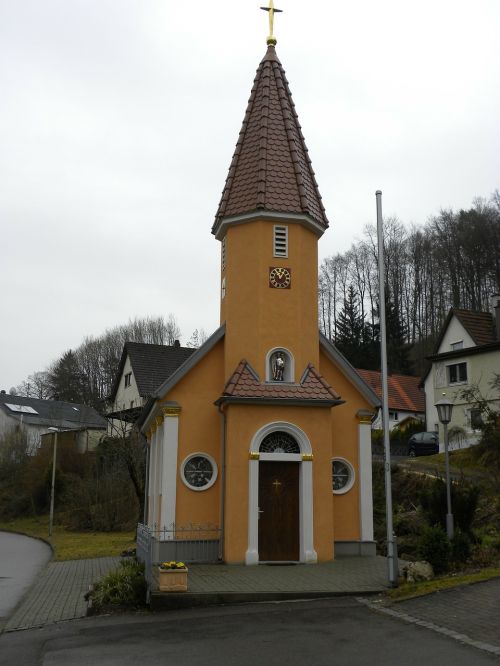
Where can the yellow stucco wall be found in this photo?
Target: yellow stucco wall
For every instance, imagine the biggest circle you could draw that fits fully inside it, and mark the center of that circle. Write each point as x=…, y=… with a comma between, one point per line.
x=345, y=424
x=199, y=431
x=242, y=424
x=259, y=318
x=331, y=432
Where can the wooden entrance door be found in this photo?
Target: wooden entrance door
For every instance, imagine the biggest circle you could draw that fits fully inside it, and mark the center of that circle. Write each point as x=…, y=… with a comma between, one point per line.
x=279, y=511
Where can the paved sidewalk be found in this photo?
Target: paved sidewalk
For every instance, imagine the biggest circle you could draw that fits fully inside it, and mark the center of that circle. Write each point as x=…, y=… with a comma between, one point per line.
x=469, y=614
x=226, y=583
x=472, y=610
x=346, y=575
x=58, y=594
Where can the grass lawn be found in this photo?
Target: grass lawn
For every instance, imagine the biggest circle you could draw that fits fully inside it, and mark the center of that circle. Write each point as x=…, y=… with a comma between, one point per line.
x=72, y=545
x=411, y=590
x=461, y=462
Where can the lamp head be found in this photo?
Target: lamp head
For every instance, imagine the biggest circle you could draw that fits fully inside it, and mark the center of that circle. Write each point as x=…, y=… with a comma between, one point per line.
x=444, y=409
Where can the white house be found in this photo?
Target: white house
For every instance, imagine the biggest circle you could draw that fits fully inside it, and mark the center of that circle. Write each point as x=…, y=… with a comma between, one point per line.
x=467, y=355
x=143, y=368
x=37, y=417
x=406, y=399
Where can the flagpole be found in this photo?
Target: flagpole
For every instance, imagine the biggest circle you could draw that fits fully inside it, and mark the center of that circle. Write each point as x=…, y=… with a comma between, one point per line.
x=392, y=557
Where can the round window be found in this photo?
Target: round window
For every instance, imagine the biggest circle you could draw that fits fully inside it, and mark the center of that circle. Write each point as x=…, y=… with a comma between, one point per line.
x=342, y=475
x=199, y=471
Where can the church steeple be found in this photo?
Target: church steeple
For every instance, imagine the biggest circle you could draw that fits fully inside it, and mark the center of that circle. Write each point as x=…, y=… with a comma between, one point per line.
x=271, y=171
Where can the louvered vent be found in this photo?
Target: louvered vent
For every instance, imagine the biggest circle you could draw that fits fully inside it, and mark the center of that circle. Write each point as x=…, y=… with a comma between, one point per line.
x=280, y=241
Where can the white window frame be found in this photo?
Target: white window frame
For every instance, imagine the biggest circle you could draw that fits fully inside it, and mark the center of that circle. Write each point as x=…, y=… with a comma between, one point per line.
x=280, y=241
x=352, y=476
x=458, y=380
x=214, y=467
x=128, y=379
x=459, y=344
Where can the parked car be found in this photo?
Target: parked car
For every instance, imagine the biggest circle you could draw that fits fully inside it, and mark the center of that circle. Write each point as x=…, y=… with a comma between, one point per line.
x=423, y=444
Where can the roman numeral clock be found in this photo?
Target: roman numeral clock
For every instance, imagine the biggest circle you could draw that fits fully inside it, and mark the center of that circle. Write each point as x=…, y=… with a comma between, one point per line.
x=279, y=277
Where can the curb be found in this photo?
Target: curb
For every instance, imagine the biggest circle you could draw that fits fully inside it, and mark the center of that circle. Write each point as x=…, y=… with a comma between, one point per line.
x=162, y=601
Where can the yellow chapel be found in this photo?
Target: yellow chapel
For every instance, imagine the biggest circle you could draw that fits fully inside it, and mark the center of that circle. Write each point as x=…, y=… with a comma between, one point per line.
x=259, y=445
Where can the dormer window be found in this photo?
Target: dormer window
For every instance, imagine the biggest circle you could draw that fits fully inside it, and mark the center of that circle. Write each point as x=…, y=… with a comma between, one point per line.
x=279, y=365
x=128, y=379
x=280, y=245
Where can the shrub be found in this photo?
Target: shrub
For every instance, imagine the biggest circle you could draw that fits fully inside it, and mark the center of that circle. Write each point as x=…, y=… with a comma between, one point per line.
x=434, y=547
x=122, y=587
x=464, y=502
x=460, y=547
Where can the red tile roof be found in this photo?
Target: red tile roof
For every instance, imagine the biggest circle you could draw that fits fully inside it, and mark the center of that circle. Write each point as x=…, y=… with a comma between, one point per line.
x=245, y=383
x=404, y=391
x=271, y=169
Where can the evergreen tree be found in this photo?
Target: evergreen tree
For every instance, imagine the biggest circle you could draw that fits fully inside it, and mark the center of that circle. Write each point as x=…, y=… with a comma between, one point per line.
x=398, y=349
x=66, y=379
x=354, y=336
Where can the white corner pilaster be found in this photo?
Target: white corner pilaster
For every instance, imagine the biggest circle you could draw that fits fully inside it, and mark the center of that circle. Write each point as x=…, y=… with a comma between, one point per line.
x=151, y=457
x=170, y=446
x=252, y=554
x=365, y=475
x=308, y=554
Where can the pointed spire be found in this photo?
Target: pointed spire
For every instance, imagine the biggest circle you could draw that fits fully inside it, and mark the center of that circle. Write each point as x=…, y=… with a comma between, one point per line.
x=271, y=170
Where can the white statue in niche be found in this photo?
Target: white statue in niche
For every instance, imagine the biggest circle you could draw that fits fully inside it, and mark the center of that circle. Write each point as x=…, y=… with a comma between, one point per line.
x=278, y=366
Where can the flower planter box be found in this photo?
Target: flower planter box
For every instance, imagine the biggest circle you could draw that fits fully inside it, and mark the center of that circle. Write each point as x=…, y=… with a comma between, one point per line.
x=172, y=580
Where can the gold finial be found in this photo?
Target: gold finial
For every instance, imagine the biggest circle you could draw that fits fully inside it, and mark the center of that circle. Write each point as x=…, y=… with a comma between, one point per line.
x=271, y=40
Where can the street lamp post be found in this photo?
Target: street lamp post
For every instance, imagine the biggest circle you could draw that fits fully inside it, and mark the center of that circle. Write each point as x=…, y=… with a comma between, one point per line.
x=52, y=488
x=444, y=408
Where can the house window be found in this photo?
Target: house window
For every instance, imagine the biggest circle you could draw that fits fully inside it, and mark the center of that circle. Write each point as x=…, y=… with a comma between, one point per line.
x=223, y=254
x=476, y=419
x=457, y=345
x=457, y=373
x=393, y=416
x=342, y=476
x=223, y=288
x=128, y=379
x=280, y=247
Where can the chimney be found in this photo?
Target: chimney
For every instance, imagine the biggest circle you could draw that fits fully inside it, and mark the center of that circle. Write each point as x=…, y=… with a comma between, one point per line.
x=178, y=344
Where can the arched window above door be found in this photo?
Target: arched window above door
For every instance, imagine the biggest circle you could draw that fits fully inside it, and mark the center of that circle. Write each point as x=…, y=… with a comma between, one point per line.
x=279, y=442
x=280, y=365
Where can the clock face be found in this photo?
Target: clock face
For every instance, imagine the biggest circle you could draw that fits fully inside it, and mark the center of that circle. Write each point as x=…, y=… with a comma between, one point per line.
x=279, y=278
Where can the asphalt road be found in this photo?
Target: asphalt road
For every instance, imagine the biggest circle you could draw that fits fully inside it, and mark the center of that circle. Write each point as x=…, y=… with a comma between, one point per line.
x=21, y=558
x=334, y=632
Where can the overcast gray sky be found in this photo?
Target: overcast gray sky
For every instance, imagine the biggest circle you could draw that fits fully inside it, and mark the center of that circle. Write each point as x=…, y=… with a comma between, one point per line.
x=118, y=120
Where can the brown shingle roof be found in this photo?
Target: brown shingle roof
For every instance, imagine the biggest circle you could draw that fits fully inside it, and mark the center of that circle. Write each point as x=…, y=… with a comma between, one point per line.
x=245, y=383
x=271, y=169
x=151, y=364
x=479, y=325
x=404, y=391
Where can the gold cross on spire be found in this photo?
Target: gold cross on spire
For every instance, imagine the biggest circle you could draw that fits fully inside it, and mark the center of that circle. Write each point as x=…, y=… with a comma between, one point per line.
x=271, y=40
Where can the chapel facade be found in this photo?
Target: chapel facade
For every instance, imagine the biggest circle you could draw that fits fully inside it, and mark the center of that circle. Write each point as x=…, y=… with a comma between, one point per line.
x=264, y=431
